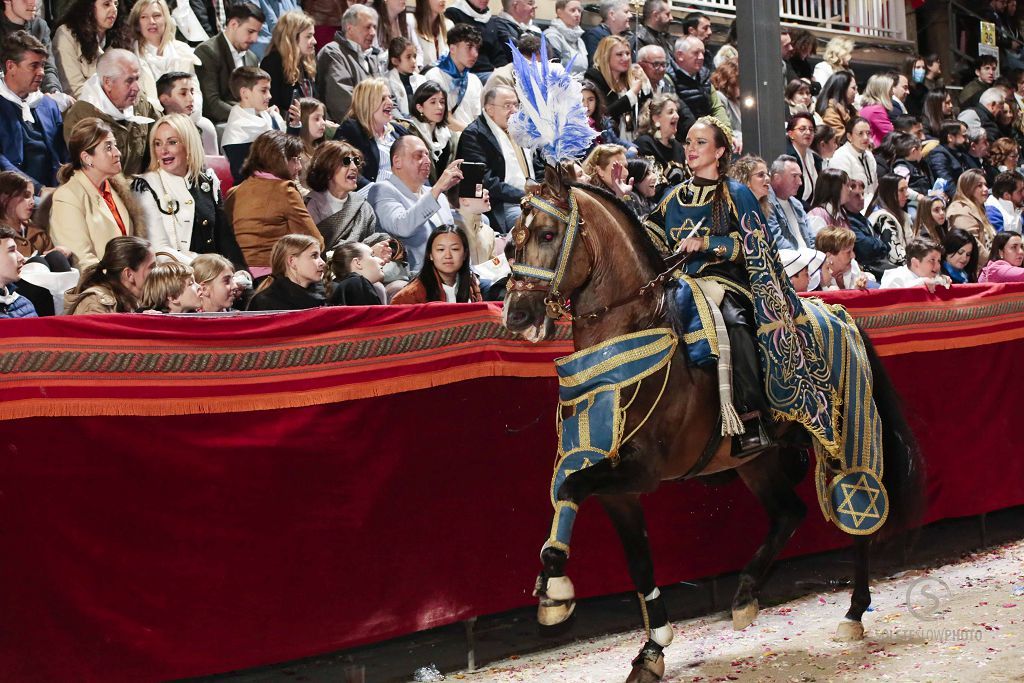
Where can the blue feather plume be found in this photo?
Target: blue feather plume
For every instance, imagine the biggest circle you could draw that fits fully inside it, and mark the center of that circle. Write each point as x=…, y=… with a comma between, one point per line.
x=551, y=115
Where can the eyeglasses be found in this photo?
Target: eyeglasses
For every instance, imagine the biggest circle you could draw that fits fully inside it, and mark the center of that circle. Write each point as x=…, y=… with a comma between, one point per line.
x=803, y=129
x=351, y=161
x=508, y=106
x=656, y=65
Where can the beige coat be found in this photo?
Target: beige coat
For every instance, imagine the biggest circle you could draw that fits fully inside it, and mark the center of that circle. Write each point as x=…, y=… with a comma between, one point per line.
x=966, y=216
x=74, y=70
x=81, y=221
x=93, y=300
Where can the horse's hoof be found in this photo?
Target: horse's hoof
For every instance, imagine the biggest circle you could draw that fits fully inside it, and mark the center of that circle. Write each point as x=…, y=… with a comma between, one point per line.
x=744, y=616
x=849, y=631
x=554, y=612
x=649, y=667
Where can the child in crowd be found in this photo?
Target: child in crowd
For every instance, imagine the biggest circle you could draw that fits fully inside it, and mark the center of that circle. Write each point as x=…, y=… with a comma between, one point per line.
x=215, y=276
x=961, y=262
x=396, y=268
x=1006, y=260
x=312, y=125
x=930, y=220
x=452, y=73
x=114, y=283
x=178, y=93
x=804, y=268
x=837, y=244
x=12, y=304
x=356, y=276
x=170, y=288
x=249, y=118
x=485, y=259
x=446, y=275
x=924, y=267
x=294, y=283
x=403, y=77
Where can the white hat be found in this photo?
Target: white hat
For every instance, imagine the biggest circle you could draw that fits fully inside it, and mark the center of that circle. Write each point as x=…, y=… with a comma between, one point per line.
x=795, y=260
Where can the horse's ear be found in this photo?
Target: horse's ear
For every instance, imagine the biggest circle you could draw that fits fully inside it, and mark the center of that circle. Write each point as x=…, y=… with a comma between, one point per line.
x=553, y=180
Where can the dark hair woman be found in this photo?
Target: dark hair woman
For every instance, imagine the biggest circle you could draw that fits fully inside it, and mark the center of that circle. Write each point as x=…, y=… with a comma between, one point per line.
x=446, y=275
x=17, y=203
x=889, y=219
x=831, y=192
x=339, y=212
x=593, y=102
x=113, y=284
x=83, y=33
x=961, y=256
x=429, y=122
x=937, y=109
x=835, y=103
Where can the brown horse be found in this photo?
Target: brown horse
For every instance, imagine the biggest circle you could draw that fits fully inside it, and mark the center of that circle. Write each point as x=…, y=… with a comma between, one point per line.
x=609, y=284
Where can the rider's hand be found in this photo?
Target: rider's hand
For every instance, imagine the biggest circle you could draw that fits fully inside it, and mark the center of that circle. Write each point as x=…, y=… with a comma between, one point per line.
x=691, y=245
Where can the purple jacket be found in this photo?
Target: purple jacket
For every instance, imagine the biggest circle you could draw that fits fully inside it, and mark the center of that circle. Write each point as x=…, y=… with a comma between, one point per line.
x=1001, y=271
x=878, y=117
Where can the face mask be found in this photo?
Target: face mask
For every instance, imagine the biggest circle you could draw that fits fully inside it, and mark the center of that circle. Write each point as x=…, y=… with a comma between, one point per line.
x=918, y=75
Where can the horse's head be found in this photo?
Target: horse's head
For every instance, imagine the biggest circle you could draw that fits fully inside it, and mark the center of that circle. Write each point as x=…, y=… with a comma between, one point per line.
x=547, y=268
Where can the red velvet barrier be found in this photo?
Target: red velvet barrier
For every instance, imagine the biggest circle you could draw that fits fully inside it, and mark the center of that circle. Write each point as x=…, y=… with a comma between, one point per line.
x=145, y=548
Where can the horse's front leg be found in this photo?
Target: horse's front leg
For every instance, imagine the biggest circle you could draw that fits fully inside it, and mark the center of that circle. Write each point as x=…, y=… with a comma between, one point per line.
x=553, y=588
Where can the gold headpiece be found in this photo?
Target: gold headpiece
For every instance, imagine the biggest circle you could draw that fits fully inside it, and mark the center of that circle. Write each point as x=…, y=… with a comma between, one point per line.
x=724, y=127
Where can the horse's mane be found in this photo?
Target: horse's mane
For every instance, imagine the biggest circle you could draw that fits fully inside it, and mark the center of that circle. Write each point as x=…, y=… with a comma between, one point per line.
x=646, y=247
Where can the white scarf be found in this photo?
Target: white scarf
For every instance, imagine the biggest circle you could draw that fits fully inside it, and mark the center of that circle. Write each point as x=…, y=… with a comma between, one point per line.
x=470, y=11
x=572, y=35
x=27, y=104
x=92, y=92
x=245, y=125
x=9, y=296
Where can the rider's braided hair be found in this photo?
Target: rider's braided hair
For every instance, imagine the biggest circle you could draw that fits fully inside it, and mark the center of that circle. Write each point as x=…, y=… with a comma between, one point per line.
x=721, y=206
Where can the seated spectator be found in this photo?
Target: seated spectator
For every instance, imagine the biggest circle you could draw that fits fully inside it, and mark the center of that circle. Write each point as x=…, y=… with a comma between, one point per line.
x=431, y=34
x=623, y=85
x=515, y=18
x=469, y=12
x=914, y=70
x=752, y=171
x=22, y=15
x=16, y=207
x=888, y=217
x=930, y=219
x=910, y=125
x=1004, y=154
x=654, y=62
x=924, y=267
x=177, y=92
x=961, y=261
x=876, y=103
x=396, y=269
x=798, y=97
x=946, y=160
x=900, y=88
x=837, y=57
x=370, y=129
x=471, y=219
x=871, y=252
x=805, y=45
x=266, y=206
x=605, y=166
x=170, y=288
x=800, y=131
x=564, y=36
x=593, y=102
x=803, y=267
x=967, y=211
x=113, y=284
x=462, y=87
x=343, y=63
x=835, y=105
x=394, y=20
x=87, y=29
x=446, y=275
x=906, y=163
x=648, y=184
x=826, y=208
x=528, y=46
x=659, y=121
x=152, y=33
x=837, y=244
x=1003, y=206
x=787, y=221
x=31, y=142
x=291, y=60
x=726, y=83
x=975, y=155
x=986, y=70
x=112, y=96
x=406, y=207
x=356, y=276
x=983, y=114
x=510, y=170
x=223, y=53
x=340, y=214
x=403, y=78
x=429, y=122
x=295, y=280
x=93, y=205
x=12, y=304
x=825, y=143
x=215, y=276
x=938, y=108
x=653, y=28
x=615, y=17
x=312, y=128
x=181, y=199
x=250, y=118
x=698, y=25
x=693, y=83
x=855, y=156
x=1007, y=257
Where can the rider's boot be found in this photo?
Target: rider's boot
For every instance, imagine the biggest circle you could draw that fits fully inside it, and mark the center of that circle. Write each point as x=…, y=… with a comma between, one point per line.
x=748, y=392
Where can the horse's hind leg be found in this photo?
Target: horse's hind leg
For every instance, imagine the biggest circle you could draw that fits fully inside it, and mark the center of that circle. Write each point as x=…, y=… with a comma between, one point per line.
x=767, y=477
x=851, y=627
x=627, y=516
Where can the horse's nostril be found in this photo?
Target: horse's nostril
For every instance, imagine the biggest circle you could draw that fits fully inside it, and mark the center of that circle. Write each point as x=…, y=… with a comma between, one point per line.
x=517, y=317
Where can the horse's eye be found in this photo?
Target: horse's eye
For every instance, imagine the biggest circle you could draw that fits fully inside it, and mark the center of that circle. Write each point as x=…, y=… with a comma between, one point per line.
x=547, y=236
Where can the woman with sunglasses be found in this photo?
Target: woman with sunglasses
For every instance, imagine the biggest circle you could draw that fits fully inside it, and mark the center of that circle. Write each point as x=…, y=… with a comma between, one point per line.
x=340, y=214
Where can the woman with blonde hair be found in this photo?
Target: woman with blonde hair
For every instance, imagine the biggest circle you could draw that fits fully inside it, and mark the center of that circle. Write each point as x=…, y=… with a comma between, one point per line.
x=1004, y=154
x=726, y=82
x=838, y=53
x=431, y=31
x=623, y=85
x=296, y=275
x=659, y=121
x=752, y=171
x=967, y=211
x=876, y=104
x=291, y=60
x=93, y=204
x=180, y=197
x=369, y=128
x=153, y=30
x=170, y=288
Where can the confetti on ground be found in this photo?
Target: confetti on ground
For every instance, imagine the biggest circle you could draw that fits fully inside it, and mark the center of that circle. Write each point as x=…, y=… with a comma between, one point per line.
x=969, y=633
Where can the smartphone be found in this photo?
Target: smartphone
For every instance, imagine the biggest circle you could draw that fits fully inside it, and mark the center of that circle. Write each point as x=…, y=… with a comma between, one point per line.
x=472, y=184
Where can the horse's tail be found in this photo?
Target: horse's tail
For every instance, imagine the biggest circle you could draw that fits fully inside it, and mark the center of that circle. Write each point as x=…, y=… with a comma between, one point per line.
x=903, y=475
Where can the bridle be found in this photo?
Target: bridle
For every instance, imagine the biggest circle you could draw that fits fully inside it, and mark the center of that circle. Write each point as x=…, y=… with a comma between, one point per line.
x=537, y=279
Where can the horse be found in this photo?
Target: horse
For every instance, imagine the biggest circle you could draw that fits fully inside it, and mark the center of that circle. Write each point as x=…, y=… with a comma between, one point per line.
x=612, y=281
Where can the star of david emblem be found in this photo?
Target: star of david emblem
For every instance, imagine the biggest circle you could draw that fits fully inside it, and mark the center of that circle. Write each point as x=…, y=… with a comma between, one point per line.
x=678, y=232
x=846, y=506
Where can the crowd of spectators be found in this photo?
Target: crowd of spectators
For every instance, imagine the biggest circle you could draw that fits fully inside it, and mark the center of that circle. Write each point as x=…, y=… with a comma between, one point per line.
x=378, y=168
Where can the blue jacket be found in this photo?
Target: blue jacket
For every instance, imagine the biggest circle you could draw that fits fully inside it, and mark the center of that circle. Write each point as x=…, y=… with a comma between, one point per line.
x=778, y=223
x=12, y=139
x=272, y=9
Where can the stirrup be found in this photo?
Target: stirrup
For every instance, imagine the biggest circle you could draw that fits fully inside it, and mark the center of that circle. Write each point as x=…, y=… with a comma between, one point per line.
x=755, y=437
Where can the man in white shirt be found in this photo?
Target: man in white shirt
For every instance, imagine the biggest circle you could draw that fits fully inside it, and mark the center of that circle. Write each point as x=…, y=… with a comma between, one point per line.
x=408, y=208
x=1004, y=204
x=787, y=221
x=452, y=73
